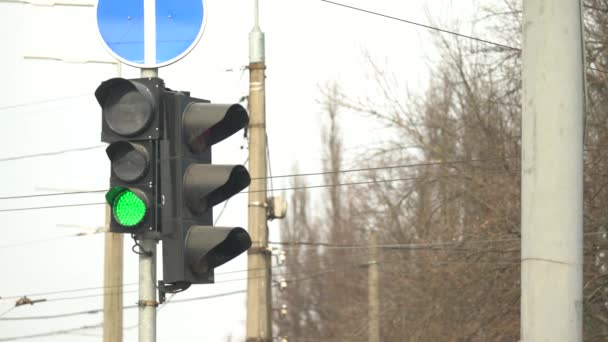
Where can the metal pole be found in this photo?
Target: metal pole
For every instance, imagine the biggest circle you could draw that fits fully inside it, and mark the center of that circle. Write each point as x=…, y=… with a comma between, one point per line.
x=147, y=274
x=552, y=172
x=373, y=290
x=258, y=283
x=113, y=269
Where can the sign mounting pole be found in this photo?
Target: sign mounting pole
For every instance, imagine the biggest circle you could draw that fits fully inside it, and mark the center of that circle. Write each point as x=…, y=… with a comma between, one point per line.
x=147, y=259
x=148, y=35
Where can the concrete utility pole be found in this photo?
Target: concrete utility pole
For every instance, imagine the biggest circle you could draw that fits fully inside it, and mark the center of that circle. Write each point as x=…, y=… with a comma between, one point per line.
x=112, y=277
x=112, y=282
x=258, y=284
x=373, y=290
x=552, y=172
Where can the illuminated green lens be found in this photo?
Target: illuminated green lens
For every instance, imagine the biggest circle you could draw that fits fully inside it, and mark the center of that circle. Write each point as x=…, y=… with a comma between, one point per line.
x=129, y=210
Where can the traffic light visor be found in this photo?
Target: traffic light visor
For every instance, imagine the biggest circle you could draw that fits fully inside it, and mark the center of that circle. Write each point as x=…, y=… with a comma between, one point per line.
x=209, y=247
x=128, y=206
x=127, y=107
x=208, y=185
x=206, y=124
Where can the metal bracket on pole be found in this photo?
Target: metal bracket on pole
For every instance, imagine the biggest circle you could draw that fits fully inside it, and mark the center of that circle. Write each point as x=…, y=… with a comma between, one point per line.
x=258, y=204
x=161, y=292
x=144, y=303
x=259, y=250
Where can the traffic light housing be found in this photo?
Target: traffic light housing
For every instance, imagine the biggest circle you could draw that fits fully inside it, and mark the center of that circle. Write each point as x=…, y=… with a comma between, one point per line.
x=131, y=124
x=192, y=185
x=162, y=176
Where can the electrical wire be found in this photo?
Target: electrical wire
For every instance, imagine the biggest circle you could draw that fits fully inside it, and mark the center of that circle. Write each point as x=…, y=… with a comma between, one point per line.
x=226, y=202
x=47, y=154
x=7, y=311
x=297, y=188
x=127, y=307
x=51, y=333
x=502, y=46
x=401, y=166
x=409, y=246
x=287, y=277
x=95, y=311
x=132, y=284
x=19, y=244
x=425, y=26
x=54, y=194
x=393, y=246
x=27, y=104
x=388, y=181
x=291, y=175
x=52, y=207
x=295, y=244
x=269, y=166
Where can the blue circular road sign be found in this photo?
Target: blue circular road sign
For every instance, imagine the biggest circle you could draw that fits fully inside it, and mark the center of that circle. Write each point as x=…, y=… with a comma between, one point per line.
x=150, y=33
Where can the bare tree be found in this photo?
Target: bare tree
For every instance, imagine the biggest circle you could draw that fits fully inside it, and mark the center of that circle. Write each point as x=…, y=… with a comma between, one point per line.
x=454, y=219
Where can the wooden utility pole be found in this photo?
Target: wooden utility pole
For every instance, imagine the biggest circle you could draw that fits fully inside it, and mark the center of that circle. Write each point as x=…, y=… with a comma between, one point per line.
x=112, y=282
x=552, y=172
x=373, y=290
x=259, y=328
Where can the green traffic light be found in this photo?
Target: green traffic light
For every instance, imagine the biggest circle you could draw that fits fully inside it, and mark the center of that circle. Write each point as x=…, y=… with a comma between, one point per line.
x=129, y=210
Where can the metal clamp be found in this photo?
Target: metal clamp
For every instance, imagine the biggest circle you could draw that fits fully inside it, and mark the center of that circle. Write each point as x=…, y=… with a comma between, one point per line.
x=259, y=250
x=144, y=303
x=258, y=204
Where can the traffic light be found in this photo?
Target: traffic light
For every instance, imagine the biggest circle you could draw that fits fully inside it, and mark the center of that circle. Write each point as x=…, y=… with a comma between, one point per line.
x=192, y=185
x=131, y=123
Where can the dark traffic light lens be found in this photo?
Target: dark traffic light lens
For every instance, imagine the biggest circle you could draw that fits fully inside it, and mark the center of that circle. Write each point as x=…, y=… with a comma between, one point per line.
x=129, y=160
x=129, y=210
x=128, y=112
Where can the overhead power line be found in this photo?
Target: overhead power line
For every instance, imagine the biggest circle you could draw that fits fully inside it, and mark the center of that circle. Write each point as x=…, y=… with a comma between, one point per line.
x=54, y=194
x=425, y=26
x=448, y=162
x=96, y=311
x=52, y=207
x=401, y=166
x=485, y=41
x=377, y=181
x=47, y=154
x=51, y=333
x=27, y=104
x=287, y=244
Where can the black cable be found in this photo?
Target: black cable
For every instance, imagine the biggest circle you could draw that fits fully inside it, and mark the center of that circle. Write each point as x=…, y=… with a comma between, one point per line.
x=284, y=189
x=425, y=26
x=292, y=175
x=402, y=166
x=127, y=307
x=269, y=166
x=381, y=181
x=291, y=188
x=502, y=46
x=142, y=251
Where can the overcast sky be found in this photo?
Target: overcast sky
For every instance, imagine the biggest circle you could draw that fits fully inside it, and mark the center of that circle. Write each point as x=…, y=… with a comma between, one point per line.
x=48, y=105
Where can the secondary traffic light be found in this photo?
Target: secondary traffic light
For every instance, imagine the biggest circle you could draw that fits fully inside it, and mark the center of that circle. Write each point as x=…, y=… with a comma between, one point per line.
x=131, y=124
x=191, y=185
